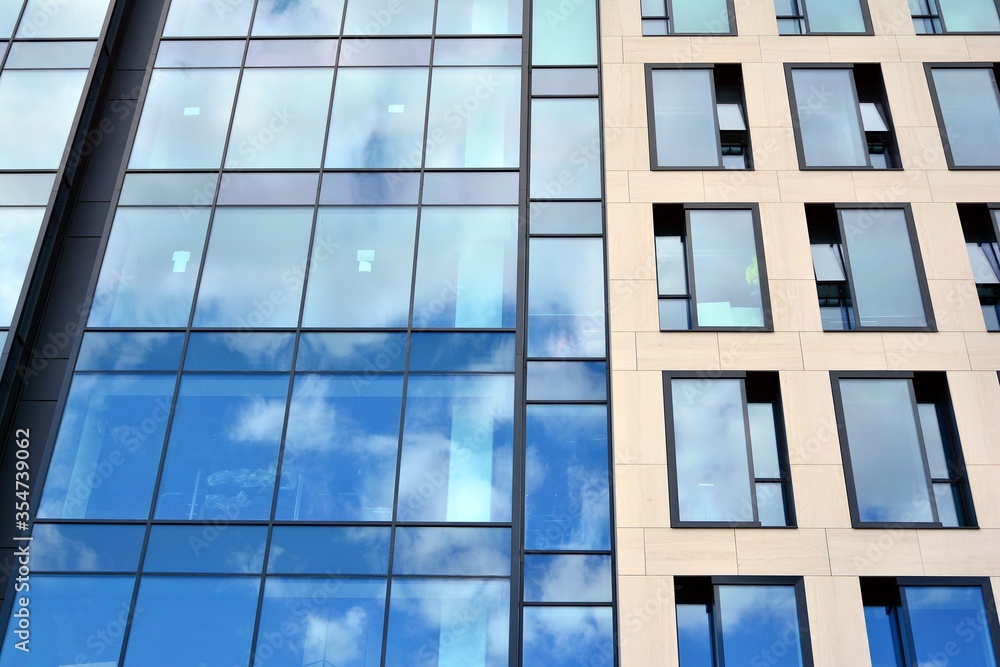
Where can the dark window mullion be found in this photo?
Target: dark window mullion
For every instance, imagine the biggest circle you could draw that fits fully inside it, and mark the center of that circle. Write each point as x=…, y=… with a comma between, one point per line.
x=923, y=453
x=846, y=260
x=749, y=447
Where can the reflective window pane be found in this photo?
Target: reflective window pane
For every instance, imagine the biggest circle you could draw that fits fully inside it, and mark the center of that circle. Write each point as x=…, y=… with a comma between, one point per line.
x=694, y=635
x=369, y=352
x=566, y=218
x=565, y=149
x=452, y=551
x=883, y=636
x=671, y=266
x=189, y=53
x=86, y=548
x=192, y=18
x=25, y=189
x=684, y=117
x=50, y=55
x=19, y=229
x=206, y=548
x=291, y=52
x=400, y=52
x=930, y=429
x=470, y=352
x=165, y=189
x=836, y=16
x=37, y=108
x=567, y=381
x=700, y=16
x=939, y=615
x=389, y=17
x=243, y=351
x=68, y=18
x=339, y=461
x=477, y=51
x=969, y=15
x=130, y=352
x=150, y=268
x=753, y=618
x=828, y=120
x=302, y=17
x=726, y=272
x=268, y=188
x=568, y=636
x=479, y=17
x=471, y=187
x=318, y=550
x=763, y=441
x=567, y=578
x=564, y=82
x=370, y=188
x=771, y=504
x=970, y=111
x=9, y=11
x=563, y=36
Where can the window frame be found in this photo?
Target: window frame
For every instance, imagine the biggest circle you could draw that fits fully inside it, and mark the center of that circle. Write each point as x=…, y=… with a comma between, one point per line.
x=943, y=22
x=957, y=461
x=669, y=7
x=993, y=212
x=804, y=9
x=942, y=129
x=651, y=117
x=781, y=440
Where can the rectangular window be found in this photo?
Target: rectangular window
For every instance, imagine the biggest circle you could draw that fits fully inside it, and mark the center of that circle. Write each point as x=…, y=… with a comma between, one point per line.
x=710, y=268
x=726, y=450
x=821, y=17
x=901, y=450
x=688, y=17
x=697, y=118
x=967, y=104
x=914, y=621
x=868, y=272
x=955, y=16
x=741, y=621
x=980, y=225
x=841, y=117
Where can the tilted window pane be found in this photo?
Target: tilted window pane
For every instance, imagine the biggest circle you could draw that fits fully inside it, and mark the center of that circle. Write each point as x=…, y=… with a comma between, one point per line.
x=466, y=268
x=254, y=266
x=150, y=268
x=970, y=111
x=700, y=16
x=694, y=635
x=941, y=615
x=191, y=18
x=479, y=17
x=475, y=118
x=884, y=279
x=884, y=643
x=457, y=452
x=280, y=119
x=828, y=121
x=318, y=549
x=206, y=548
x=684, y=118
x=378, y=118
x=339, y=461
x=763, y=441
x=37, y=108
x=982, y=256
x=389, y=17
x=223, y=448
x=886, y=461
x=302, y=17
x=771, y=504
x=452, y=551
x=568, y=636
x=86, y=548
x=564, y=34
x=836, y=15
x=752, y=619
x=567, y=578
x=970, y=15
x=18, y=234
x=565, y=149
x=66, y=18
x=110, y=439
x=930, y=429
x=671, y=266
x=710, y=448
x=726, y=273
x=184, y=119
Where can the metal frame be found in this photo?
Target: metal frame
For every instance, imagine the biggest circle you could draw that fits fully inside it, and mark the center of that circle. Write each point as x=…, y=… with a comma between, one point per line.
x=942, y=128
x=669, y=8
x=943, y=21
x=804, y=9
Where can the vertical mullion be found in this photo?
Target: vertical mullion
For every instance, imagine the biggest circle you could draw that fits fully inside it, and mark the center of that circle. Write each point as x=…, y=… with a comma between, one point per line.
x=845, y=252
x=755, y=515
x=689, y=271
x=804, y=13
x=715, y=118
x=923, y=451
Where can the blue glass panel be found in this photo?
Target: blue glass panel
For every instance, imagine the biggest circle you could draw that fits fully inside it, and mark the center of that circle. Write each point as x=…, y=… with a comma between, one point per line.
x=685, y=121
x=223, y=448
x=327, y=550
x=566, y=218
x=165, y=189
x=477, y=52
x=25, y=189
x=181, y=619
x=384, y=52
x=567, y=502
x=50, y=55
x=755, y=618
x=568, y=636
x=466, y=268
x=215, y=548
x=340, y=450
x=700, y=16
x=369, y=352
x=86, y=548
x=321, y=623
x=970, y=111
x=564, y=81
x=19, y=229
x=239, y=352
x=694, y=635
x=567, y=381
x=108, y=449
x=452, y=551
x=949, y=622
x=268, y=188
x=726, y=270
x=462, y=352
x=565, y=149
x=202, y=18
x=389, y=17
x=479, y=17
x=449, y=623
x=839, y=16
x=66, y=19
x=74, y=620
x=190, y=53
x=301, y=17
x=969, y=15
x=9, y=11
x=471, y=187
x=41, y=104
x=292, y=52
x=567, y=578
x=457, y=449
x=829, y=124
x=883, y=636
x=365, y=188
x=564, y=33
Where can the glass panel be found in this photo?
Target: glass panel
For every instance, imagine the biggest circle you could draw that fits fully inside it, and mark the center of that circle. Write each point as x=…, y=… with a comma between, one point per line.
x=163, y=189
x=970, y=15
x=970, y=111
x=192, y=608
x=50, y=55
x=477, y=52
x=321, y=622
x=654, y=7
x=239, y=352
x=671, y=274
x=219, y=549
x=701, y=16
x=339, y=462
x=190, y=18
x=150, y=268
x=452, y=551
x=934, y=444
x=43, y=19
x=184, y=119
x=828, y=263
x=564, y=34
x=19, y=229
x=110, y=438
x=567, y=381
x=82, y=548
x=68, y=615
x=357, y=52
x=565, y=149
x=223, y=448
x=828, y=121
x=269, y=188
x=791, y=27
x=361, y=269
x=254, y=267
x=884, y=278
x=872, y=118
x=941, y=615
x=471, y=187
x=369, y=352
x=836, y=16
x=280, y=119
x=302, y=17
x=883, y=636
x=41, y=105
x=479, y=17
x=389, y=17
x=684, y=118
x=566, y=218
x=457, y=449
x=393, y=188
x=886, y=462
x=771, y=505
x=710, y=448
x=650, y=27
x=291, y=52
x=755, y=618
x=474, y=118
x=130, y=352
x=378, y=118
x=466, y=268
x=567, y=636
x=567, y=578
x=566, y=298
x=949, y=504
x=9, y=11
x=189, y=53
x=763, y=441
x=25, y=189
x=983, y=271
x=726, y=272
x=564, y=82
x=694, y=635
x=675, y=314
x=318, y=550
x=469, y=352
x=567, y=504
x=451, y=622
